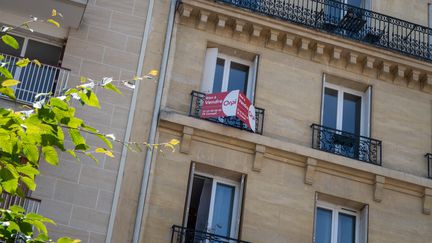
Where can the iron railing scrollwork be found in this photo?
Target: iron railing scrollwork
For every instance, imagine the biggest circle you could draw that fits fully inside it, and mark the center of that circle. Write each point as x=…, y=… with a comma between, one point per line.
x=346, y=144
x=197, y=100
x=429, y=164
x=181, y=234
x=348, y=21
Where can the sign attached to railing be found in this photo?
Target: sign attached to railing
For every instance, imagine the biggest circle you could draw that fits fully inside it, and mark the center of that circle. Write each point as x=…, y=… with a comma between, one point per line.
x=231, y=103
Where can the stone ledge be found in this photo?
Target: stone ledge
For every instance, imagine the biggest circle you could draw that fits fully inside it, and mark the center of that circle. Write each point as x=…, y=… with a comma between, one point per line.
x=181, y=119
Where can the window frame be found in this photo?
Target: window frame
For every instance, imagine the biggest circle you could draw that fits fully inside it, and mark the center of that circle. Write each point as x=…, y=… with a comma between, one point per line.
x=340, y=102
x=336, y=210
x=236, y=205
x=209, y=69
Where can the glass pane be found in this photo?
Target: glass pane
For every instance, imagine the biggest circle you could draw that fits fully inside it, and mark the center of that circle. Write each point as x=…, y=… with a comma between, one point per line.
x=330, y=108
x=351, y=113
x=45, y=53
x=5, y=49
x=238, y=77
x=323, y=226
x=357, y=3
x=223, y=209
x=346, y=228
x=217, y=83
x=200, y=203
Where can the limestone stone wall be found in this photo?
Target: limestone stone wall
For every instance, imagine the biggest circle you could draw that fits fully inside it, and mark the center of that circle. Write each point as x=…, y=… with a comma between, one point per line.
x=289, y=88
x=278, y=205
x=78, y=194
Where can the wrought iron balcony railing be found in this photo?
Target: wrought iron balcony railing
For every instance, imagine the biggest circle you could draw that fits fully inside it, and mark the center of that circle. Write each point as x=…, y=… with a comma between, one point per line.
x=30, y=205
x=197, y=100
x=35, y=79
x=348, y=21
x=429, y=164
x=181, y=234
x=346, y=144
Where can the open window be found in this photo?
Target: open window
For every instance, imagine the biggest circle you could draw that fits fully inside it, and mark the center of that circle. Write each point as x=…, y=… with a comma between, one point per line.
x=340, y=221
x=226, y=70
x=213, y=203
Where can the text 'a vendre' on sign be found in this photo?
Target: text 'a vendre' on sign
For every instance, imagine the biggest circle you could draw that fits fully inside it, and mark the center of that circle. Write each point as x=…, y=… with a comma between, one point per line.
x=230, y=103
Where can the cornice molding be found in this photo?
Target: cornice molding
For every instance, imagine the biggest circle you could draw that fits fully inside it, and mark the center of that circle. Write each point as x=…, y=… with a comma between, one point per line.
x=306, y=43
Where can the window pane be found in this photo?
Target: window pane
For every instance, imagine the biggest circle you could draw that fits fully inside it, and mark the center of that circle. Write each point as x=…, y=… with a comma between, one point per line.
x=357, y=3
x=323, y=226
x=200, y=203
x=238, y=77
x=330, y=108
x=346, y=228
x=217, y=83
x=223, y=209
x=45, y=53
x=351, y=113
x=5, y=49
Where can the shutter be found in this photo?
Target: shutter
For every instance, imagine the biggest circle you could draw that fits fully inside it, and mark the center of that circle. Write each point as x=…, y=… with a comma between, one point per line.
x=366, y=112
x=209, y=70
x=240, y=203
x=253, y=80
x=188, y=195
x=363, y=227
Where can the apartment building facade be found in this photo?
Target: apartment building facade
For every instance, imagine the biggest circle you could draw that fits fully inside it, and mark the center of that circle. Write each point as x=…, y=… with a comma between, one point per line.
x=342, y=97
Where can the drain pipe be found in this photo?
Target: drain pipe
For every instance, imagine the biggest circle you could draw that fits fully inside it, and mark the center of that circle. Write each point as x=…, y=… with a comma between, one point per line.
x=154, y=123
x=122, y=164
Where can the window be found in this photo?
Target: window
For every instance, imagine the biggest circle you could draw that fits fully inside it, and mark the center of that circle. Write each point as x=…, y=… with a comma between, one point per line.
x=224, y=72
x=213, y=205
x=339, y=224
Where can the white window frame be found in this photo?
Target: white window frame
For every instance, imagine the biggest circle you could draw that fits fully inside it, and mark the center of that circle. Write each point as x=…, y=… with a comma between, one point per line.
x=212, y=54
x=236, y=205
x=365, y=112
x=336, y=209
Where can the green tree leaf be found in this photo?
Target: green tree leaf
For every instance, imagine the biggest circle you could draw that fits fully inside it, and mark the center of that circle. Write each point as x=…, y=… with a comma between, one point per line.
x=50, y=155
x=8, y=92
x=10, y=82
x=5, y=72
x=112, y=87
x=23, y=62
x=31, y=152
x=10, y=186
x=10, y=41
x=68, y=240
x=30, y=183
x=28, y=170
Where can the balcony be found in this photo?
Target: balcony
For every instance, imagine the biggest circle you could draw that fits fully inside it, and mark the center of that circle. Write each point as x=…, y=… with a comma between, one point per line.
x=346, y=144
x=184, y=235
x=30, y=205
x=348, y=21
x=429, y=165
x=35, y=79
x=197, y=100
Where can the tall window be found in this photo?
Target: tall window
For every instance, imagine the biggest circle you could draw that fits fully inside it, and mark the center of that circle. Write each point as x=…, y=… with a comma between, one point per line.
x=225, y=73
x=339, y=224
x=213, y=204
x=346, y=117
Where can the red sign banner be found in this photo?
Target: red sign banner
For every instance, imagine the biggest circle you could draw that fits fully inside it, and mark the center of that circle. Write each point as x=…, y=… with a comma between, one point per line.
x=231, y=103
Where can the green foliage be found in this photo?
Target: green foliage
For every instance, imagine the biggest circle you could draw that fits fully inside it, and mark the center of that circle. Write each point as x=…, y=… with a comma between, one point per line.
x=10, y=41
